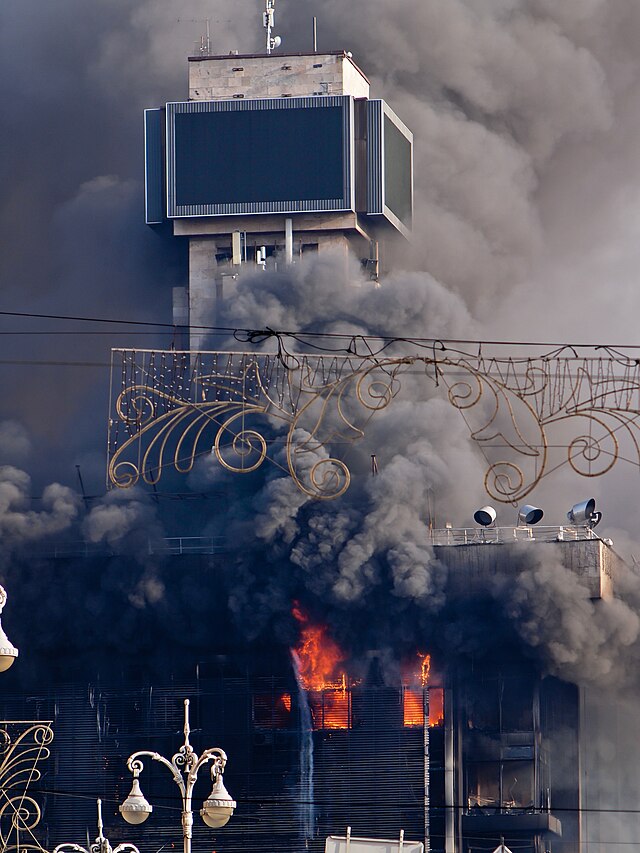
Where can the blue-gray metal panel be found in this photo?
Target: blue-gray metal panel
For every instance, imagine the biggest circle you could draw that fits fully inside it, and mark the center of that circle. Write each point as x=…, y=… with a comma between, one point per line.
x=153, y=167
x=174, y=210
x=375, y=187
x=377, y=111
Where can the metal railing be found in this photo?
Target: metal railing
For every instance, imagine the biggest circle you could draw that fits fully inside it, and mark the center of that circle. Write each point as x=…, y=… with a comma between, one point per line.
x=171, y=546
x=180, y=545
x=185, y=545
x=495, y=535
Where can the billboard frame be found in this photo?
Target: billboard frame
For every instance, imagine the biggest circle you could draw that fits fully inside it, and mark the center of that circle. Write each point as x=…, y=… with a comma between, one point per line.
x=339, y=205
x=377, y=111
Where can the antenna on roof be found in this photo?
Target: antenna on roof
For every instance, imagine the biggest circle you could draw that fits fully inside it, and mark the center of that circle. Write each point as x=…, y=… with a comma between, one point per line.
x=205, y=42
x=204, y=46
x=267, y=22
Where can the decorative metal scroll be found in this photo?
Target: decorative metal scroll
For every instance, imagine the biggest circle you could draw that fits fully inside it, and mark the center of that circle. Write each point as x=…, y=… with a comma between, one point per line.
x=24, y=746
x=302, y=412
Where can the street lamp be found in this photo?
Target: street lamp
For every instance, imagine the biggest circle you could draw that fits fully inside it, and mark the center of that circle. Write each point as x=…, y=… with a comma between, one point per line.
x=8, y=652
x=100, y=845
x=217, y=808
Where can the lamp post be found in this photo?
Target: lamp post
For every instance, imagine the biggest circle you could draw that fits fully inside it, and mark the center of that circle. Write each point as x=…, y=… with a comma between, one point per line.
x=100, y=845
x=217, y=808
x=8, y=652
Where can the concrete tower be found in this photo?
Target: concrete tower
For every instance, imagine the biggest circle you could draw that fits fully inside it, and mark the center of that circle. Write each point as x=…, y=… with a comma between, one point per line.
x=274, y=156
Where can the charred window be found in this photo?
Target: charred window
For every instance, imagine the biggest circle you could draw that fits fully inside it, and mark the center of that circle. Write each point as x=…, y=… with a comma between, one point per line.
x=483, y=785
x=413, y=706
x=516, y=704
x=501, y=704
x=330, y=708
x=272, y=710
x=483, y=705
x=500, y=786
x=517, y=785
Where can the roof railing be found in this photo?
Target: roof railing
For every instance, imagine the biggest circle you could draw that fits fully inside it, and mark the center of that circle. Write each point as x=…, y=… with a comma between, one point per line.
x=497, y=535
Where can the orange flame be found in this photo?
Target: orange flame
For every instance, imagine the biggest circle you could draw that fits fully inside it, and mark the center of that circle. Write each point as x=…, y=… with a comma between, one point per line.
x=413, y=711
x=319, y=658
x=413, y=705
x=318, y=655
x=436, y=706
x=425, y=669
x=286, y=701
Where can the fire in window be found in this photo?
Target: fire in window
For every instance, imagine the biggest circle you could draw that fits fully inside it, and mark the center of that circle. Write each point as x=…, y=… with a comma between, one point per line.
x=418, y=691
x=272, y=710
x=318, y=661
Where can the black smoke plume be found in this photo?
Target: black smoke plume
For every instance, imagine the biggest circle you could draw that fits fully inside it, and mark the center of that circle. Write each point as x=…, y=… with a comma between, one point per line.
x=526, y=117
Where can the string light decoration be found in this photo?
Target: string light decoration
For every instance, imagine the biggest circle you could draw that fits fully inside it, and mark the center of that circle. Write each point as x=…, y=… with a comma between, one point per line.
x=302, y=411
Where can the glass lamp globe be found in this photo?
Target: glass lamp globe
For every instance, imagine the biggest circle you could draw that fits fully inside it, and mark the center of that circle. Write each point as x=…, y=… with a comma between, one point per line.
x=135, y=808
x=218, y=807
x=8, y=652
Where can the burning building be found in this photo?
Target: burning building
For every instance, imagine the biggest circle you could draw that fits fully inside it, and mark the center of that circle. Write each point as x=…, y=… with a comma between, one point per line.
x=444, y=698
x=274, y=157
x=463, y=745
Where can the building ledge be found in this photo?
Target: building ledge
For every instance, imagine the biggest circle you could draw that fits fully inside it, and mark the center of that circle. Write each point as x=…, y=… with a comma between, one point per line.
x=473, y=566
x=510, y=824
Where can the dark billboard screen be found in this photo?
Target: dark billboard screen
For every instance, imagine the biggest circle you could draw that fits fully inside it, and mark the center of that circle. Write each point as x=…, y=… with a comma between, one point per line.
x=154, y=163
x=241, y=159
x=389, y=167
x=397, y=171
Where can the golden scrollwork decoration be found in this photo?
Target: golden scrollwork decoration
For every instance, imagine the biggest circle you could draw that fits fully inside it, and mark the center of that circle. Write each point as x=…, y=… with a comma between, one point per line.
x=302, y=413
x=25, y=745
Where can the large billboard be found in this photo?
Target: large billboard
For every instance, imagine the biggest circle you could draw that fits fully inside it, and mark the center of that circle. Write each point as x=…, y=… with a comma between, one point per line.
x=154, y=207
x=273, y=155
x=389, y=167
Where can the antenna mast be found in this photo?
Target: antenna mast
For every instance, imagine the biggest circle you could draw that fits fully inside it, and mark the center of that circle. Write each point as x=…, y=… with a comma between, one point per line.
x=267, y=22
x=205, y=46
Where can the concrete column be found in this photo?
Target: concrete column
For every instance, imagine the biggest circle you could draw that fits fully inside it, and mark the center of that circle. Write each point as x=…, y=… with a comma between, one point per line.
x=202, y=288
x=288, y=240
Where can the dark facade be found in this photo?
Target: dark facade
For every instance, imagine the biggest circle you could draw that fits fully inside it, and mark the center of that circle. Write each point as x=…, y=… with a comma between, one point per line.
x=505, y=741
x=302, y=764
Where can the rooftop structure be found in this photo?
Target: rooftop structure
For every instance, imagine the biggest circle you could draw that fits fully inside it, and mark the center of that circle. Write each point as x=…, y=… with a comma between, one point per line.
x=292, y=75
x=272, y=157
x=474, y=556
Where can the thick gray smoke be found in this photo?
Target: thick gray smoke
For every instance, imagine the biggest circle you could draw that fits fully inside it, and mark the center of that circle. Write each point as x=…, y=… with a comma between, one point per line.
x=363, y=562
x=494, y=93
x=579, y=639
x=19, y=524
x=122, y=525
x=526, y=115
x=121, y=516
x=500, y=99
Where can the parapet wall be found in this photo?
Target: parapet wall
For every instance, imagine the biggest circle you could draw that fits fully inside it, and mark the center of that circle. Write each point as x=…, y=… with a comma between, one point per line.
x=471, y=568
x=275, y=76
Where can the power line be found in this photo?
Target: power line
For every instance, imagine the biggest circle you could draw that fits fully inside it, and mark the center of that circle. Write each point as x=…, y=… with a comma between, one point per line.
x=112, y=320
x=92, y=332
x=320, y=801
x=257, y=335
x=25, y=362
